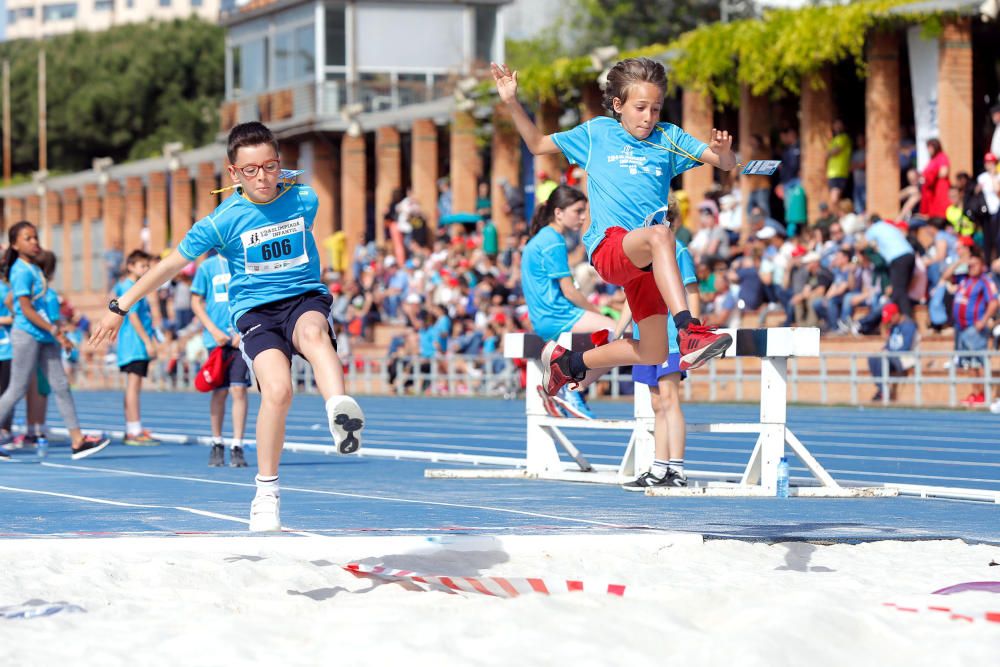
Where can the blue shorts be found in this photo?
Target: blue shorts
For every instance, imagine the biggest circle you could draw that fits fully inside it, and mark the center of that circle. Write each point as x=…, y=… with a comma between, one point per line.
x=270, y=327
x=650, y=375
x=238, y=374
x=972, y=339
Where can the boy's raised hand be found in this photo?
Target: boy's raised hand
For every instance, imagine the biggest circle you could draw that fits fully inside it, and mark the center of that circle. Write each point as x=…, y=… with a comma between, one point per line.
x=506, y=82
x=721, y=142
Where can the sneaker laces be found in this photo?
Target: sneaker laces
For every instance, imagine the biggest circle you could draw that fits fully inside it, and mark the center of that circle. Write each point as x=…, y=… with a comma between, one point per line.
x=700, y=328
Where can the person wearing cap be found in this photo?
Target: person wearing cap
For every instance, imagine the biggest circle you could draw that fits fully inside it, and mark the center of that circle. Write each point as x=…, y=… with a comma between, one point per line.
x=974, y=307
x=818, y=281
x=988, y=185
x=895, y=250
x=210, y=303
x=901, y=337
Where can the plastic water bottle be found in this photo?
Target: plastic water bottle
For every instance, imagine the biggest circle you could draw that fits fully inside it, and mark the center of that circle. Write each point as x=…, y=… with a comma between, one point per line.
x=42, y=447
x=782, y=478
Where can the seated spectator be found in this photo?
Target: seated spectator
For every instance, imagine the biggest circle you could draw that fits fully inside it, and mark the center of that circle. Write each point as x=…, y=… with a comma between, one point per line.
x=909, y=197
x=902, y=337
x=731, y=216
x=745, y=273
x=818, y=280
x=829, y=304
x=942, y=291
x=723, y=311
x=973, y=310
x=956, y=214
x=851, y=223
x=826, y=217
x=710, y=240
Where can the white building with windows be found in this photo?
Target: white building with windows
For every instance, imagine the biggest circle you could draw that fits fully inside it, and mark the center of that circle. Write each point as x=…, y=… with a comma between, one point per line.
x=35, y=19
x=315, y=58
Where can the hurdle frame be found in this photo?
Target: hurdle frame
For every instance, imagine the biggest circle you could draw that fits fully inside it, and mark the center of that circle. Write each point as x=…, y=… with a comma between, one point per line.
x=545, y=436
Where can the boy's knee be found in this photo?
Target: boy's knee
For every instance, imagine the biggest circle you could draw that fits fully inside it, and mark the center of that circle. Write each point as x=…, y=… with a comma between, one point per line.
x=313, y=334
x=277, y=394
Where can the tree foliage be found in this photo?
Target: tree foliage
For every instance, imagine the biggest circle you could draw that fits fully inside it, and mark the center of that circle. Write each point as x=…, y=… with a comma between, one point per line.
x=121, y=93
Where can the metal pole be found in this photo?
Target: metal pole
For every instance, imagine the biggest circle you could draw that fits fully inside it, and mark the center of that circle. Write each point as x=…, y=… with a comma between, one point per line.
x=6, y=122
x=43, y=158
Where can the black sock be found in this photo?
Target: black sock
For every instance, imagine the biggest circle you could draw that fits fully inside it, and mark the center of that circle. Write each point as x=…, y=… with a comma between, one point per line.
x=682, y=319
x=572, y=365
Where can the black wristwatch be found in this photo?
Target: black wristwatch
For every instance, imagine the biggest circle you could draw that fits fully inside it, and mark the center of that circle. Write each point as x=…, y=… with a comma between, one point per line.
x=113, y=307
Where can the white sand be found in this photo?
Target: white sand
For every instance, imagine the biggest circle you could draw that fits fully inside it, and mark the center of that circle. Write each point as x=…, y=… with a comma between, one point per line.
x=282, y=601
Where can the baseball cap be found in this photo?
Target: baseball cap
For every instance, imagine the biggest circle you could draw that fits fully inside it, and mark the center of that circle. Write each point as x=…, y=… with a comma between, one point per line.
x=888, y=311
x=966, y=241
x=810, y=257
x=213, y=371
x=710, y=205
x=989, y=157
x=766, y=233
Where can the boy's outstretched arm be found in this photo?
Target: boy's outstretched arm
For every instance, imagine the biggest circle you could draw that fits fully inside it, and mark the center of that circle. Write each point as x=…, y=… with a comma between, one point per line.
x=537, y=142
x=719, y=153
x=107, y=327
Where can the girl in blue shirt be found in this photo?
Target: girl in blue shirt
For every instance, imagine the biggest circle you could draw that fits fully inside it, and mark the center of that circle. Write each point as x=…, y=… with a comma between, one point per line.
x=36, y=341
x=630, y=160
x=555, y=305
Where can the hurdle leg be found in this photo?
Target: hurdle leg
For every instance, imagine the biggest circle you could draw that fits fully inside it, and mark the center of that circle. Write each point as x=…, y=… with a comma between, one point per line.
x=773, y=413
x=558, y=436
x=541, y=452
x=810, y=462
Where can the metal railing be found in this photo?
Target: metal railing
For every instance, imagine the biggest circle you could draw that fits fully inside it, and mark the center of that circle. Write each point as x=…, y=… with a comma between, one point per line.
x=935, y=379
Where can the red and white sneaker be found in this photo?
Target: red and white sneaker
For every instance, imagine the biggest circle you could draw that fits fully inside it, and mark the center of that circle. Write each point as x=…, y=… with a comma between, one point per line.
x=555, y=375
x=549, y=404
x=698, y=344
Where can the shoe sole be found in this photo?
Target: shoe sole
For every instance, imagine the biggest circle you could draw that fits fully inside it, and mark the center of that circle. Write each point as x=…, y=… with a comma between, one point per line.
x=93, y=450
x=547, y=353
x=132, y=443
x=346, y=424
x=549, y=403
x=702, y=356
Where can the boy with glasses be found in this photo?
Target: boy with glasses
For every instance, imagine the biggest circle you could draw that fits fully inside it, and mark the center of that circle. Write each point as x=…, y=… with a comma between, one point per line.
x=279, y=304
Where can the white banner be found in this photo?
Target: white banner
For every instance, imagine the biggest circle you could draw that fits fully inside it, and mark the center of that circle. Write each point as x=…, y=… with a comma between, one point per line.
x=924, y=81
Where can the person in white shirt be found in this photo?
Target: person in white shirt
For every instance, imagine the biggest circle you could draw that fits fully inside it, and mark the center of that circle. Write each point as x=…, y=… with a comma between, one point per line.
x=988, y=183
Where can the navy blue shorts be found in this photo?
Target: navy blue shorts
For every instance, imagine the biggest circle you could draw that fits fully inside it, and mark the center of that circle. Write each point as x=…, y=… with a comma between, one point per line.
x=270, y=327
x=139, y=367
x=650, y=375
x=238, y=374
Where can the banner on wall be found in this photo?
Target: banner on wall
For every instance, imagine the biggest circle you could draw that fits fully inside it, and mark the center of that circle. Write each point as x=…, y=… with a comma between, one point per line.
x=924, y=82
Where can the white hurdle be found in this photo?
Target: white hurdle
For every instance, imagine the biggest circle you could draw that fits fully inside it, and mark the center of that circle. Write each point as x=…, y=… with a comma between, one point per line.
x=546, y=436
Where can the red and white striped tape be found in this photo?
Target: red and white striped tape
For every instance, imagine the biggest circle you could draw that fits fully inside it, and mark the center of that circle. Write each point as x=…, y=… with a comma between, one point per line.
x=953, y=614
x=501, y=587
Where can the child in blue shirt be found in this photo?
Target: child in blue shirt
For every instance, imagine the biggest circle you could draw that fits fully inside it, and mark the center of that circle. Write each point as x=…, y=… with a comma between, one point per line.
x=36, y=340
x=279, y=305
x=210, y=303
x=630, y=160
x=136, y=349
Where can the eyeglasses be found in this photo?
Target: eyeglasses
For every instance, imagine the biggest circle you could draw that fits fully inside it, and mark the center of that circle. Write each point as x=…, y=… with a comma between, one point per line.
x=269, y=167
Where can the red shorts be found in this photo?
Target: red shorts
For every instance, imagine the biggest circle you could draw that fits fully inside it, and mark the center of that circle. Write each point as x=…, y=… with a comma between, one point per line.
x=614, y=267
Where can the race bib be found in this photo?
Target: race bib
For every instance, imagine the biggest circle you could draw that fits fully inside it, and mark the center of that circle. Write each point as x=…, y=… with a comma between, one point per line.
x=276, y=247
x=220, y=287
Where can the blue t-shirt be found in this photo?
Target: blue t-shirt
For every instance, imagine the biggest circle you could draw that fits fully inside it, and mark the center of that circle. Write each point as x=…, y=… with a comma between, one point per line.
x=688, y=277
x=52, y=306
x=26, y=279
x=130, y=345
x=901, y=336
x=269, y=247
x=543, y=263
x=211, y=283
x=627, y=179
x=891, y=241
x=6, y=351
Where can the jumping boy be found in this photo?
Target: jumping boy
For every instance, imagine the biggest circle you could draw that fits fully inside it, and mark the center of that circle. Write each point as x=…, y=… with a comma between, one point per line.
x=136, y=349
x=210, y=303
x=630, y=160
x=280, y=307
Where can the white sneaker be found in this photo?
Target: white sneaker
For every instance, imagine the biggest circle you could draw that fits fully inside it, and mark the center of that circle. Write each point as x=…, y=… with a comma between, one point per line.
x=264, y=513
x=346, y=422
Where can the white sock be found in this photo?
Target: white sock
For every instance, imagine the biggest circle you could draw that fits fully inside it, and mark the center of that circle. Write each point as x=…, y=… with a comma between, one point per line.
x=133, y=428
x=677, y=465
x=216, y=440
x=37, y=430
x=659, y=468
x=236, y=442
x=267, y=485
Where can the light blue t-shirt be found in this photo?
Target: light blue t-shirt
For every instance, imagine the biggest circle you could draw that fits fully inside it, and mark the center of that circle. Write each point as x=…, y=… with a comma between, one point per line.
x=52, y=306
x=269, y=247
x=688, y=277
x=211, y=283
x=627, y=179
x=6, y=351
x=892, y=243
x=26, y=279
x=543, y=263
x=130, y=345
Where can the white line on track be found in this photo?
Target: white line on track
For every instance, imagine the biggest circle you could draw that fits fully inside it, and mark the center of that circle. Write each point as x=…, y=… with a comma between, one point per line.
x=343, y=494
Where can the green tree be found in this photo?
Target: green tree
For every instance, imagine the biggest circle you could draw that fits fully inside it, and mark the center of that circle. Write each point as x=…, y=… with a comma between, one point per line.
x=121, y=93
